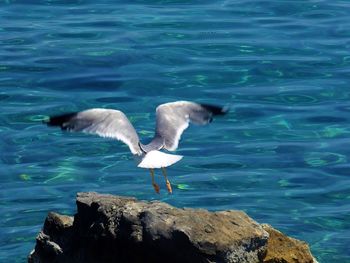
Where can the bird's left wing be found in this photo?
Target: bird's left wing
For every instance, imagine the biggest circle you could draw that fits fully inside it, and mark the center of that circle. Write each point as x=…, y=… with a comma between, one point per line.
x=174, y=117
x=103, y=122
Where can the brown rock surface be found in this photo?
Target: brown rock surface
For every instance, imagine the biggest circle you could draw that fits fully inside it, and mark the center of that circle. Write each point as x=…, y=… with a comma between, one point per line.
x=283, y=249
x=110, y=228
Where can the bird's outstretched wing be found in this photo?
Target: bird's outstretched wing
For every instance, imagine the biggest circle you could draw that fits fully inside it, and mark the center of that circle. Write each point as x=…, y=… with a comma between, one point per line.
x=103, y=122
x=174, y=117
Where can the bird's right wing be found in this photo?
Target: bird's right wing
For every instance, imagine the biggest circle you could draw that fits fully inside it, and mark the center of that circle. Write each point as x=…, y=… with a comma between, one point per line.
x=103, y=122
x=174, y=117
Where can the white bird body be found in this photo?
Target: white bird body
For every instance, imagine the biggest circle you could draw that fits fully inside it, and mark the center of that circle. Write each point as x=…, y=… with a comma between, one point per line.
x=157, y=159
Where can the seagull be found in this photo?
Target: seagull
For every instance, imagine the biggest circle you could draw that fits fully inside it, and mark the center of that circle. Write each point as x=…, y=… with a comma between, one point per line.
x=171, y=120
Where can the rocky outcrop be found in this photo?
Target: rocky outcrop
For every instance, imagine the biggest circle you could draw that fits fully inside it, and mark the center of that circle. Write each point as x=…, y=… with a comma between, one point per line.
x=110, y=228
x=281, y=248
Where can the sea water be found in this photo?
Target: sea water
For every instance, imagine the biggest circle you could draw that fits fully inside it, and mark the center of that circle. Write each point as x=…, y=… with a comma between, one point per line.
x=281, y=154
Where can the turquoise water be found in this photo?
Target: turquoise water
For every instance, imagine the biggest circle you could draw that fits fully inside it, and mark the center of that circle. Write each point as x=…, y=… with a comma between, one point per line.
x=281, y=154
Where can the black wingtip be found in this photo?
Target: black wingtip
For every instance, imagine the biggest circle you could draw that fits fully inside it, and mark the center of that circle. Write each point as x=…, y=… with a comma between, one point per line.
x=59, y=120
x=215, y=110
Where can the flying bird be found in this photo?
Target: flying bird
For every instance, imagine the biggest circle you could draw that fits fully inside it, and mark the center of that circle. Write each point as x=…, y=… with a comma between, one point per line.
x=171, y=120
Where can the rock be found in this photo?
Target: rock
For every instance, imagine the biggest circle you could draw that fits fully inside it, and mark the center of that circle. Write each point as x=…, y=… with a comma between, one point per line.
x=55, y=238
x=281, y=248
x=110, y=228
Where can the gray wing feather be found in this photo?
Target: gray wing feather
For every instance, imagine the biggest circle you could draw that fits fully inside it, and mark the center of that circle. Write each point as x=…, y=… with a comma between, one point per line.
x=103, y=122
x=174, y=117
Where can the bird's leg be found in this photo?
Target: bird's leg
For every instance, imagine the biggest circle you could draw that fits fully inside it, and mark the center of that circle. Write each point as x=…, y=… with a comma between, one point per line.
x=168, y=185
x=155, y=186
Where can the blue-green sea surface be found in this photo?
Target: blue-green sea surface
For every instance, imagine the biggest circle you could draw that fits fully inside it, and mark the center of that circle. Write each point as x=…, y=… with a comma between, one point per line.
x=281, y=154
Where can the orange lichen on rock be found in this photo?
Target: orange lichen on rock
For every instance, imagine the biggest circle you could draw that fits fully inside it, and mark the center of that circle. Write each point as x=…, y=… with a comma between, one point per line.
x=284, y=249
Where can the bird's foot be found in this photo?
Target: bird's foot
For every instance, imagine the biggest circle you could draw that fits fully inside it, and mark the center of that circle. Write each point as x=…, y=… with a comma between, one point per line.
x=156, y=188
x=168, y=186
